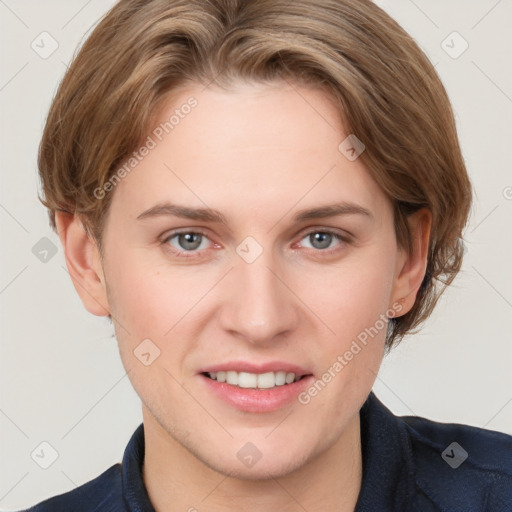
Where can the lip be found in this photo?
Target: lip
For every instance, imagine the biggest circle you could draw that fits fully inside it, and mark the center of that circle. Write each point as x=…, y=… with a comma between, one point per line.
x=257, y=400
x=249, y=367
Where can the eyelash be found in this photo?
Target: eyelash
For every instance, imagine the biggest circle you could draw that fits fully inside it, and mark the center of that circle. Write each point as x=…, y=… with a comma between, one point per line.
x=195, y=253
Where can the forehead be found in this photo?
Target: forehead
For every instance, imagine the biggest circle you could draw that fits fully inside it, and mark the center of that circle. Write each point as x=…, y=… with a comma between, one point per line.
x=254, y=147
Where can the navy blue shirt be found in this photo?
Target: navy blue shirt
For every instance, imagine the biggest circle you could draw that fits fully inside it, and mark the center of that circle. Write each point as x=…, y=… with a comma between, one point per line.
x=410, y=464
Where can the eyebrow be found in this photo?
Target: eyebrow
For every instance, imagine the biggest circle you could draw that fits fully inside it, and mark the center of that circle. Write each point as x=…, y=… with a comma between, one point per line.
x=212, y=215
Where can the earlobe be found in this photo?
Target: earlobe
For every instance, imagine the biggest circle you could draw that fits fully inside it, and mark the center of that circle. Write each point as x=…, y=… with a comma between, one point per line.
x=411, y=267
x=83, y=262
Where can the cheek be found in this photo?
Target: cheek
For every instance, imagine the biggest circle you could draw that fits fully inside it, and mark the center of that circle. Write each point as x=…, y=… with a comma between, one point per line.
x=354, y=305
x=152, y=300
x=139, y=294
x=145, y=307
x=139, y=305
x=354, y=294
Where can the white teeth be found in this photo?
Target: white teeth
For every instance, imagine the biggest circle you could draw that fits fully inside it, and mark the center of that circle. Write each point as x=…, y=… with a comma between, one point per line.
x=266, y=380
x=254, y=380
x=280, y=378
x=247, y=380
x=232, y=378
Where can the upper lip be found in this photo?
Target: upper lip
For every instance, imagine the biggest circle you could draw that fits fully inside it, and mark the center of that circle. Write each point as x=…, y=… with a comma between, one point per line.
x=251, y=367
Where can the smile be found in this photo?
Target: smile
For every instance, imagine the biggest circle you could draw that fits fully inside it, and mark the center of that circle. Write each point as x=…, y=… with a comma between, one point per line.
x=247, y=380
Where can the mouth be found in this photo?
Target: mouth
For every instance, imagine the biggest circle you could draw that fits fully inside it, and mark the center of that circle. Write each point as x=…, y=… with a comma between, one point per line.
x=256, y=388
x=246, y=380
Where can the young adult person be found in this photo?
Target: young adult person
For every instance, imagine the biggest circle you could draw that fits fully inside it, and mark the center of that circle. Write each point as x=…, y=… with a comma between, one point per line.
x=264, y=197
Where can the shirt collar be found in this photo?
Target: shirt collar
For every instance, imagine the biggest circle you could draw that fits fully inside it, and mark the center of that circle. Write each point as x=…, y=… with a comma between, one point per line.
x=135, y=496
x=388, y=469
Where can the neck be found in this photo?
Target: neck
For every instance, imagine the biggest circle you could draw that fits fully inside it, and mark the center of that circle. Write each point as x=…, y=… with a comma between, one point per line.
x=178, y=481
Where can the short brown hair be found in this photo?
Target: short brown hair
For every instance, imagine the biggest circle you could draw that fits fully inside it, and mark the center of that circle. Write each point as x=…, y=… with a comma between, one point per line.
x=388, y=93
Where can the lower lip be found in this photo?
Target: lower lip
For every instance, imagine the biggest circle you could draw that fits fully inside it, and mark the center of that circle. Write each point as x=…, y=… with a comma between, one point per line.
x=257, y=400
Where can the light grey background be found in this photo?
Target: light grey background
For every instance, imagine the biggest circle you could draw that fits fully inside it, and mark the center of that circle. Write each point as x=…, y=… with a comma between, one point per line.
x=61, y=378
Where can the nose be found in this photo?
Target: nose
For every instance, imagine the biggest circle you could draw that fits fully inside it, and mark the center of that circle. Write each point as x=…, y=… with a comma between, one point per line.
x=260, y=304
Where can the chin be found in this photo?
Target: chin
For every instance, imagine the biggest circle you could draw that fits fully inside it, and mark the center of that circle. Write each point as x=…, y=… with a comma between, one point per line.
x=261, y=470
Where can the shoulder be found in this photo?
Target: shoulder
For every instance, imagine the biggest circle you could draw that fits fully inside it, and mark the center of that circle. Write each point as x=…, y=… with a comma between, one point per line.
x=459, y=465
x=102, y=493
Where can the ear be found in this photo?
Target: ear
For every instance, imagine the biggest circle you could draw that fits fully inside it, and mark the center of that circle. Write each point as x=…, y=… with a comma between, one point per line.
x=84, y=264
x=411, y=267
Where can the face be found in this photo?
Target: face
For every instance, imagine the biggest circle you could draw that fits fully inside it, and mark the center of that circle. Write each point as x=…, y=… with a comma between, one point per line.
x=211, y=257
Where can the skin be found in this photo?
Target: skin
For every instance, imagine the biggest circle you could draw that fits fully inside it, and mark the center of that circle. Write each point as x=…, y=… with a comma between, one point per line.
x=258, y=154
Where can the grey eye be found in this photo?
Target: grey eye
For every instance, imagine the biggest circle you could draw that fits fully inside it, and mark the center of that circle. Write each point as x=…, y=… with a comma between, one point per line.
x=188, y=241
x=320, y=239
